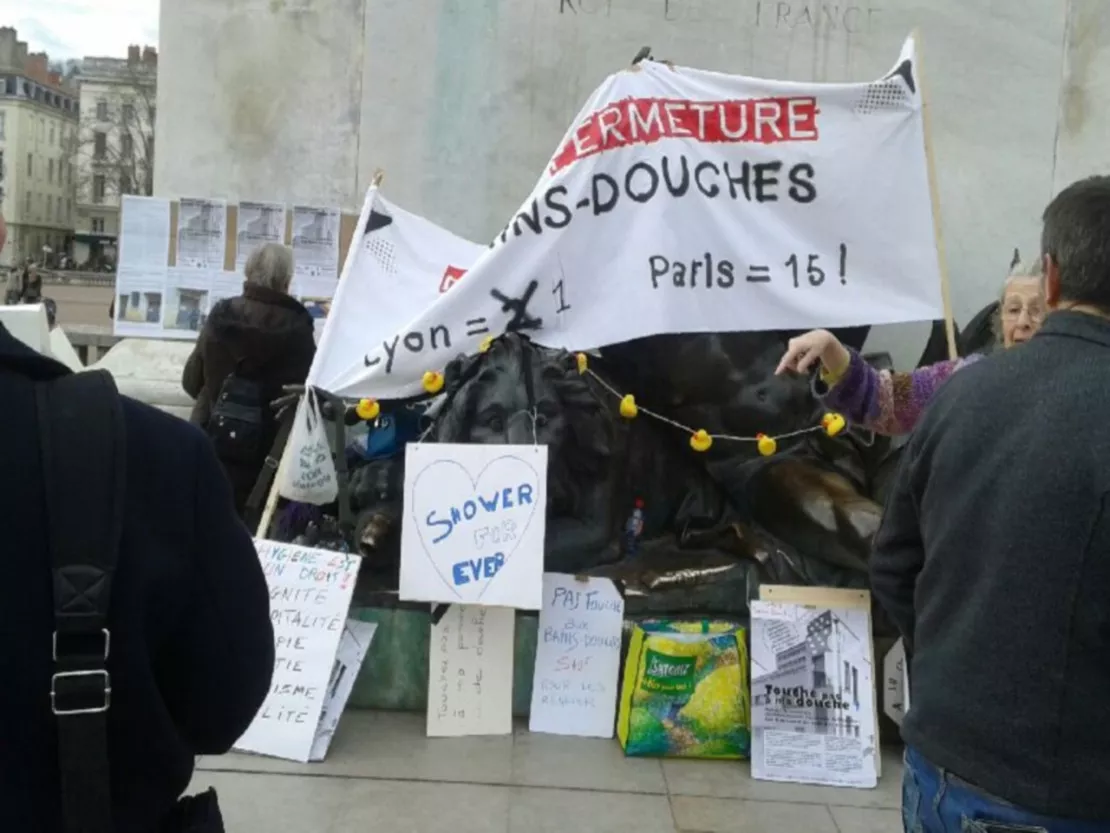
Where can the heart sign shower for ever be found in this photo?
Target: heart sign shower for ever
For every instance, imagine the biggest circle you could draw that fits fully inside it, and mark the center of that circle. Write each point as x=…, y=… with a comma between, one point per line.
x=474, y=523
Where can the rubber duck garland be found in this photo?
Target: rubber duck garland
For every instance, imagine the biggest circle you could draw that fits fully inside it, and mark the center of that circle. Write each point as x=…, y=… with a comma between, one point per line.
x=700, y=439
x=433, y=381
x=368, y=409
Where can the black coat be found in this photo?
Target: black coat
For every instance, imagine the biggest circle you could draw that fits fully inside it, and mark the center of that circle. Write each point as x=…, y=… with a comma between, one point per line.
x=271, y=334
x=993, y=559
x=192, y=646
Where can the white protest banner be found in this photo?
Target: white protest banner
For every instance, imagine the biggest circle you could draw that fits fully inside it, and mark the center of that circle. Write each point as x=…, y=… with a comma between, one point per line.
x=470, y=672
x=896, y=686
x=396, y=273
x=578, y=657
x=813, y=705
x=474, y=524
x=679, y=201
x=353, y=645
x=310, y=594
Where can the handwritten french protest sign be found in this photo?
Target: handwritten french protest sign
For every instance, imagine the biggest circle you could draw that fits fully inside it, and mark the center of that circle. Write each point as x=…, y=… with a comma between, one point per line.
x=678, y=201
x=470, y=672
x=310, y=595
x=474, y=524
x=578, y=657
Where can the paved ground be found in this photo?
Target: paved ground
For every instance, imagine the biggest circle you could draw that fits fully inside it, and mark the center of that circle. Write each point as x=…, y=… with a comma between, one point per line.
x=383, y=774
x=80, y=304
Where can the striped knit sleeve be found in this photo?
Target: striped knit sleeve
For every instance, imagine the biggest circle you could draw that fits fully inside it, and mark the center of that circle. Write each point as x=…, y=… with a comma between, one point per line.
x=883, y=401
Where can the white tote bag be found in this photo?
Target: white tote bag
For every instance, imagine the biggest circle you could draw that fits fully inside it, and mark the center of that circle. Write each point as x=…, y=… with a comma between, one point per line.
x=309, y=474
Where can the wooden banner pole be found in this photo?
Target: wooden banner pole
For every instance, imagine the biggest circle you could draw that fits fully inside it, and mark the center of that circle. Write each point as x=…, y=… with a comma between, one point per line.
x=934, y=197
x=272, y=498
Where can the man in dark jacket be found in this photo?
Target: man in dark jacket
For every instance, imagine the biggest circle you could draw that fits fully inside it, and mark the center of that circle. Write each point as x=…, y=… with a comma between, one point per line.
x=263, y=336
x=993, y=559
x=191, y=642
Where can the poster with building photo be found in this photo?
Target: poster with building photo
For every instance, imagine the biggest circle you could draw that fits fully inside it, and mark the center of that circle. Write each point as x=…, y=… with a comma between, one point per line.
x=259, y=223
x=315, y=251
x=813, y=705
x=201, y=233
x=141, y=276
x=138, y=301
x=186, y=301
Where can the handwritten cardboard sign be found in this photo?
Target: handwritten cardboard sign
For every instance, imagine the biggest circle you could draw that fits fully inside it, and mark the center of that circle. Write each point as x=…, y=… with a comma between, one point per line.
x=896, y=687
x=578, y=654
x=353, y=645
x=474, y=524
x=470, y=675
x=310, y=594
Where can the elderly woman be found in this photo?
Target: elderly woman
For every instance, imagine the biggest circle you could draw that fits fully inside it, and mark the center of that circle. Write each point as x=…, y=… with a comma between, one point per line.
x=891, y=403
x=249, y=348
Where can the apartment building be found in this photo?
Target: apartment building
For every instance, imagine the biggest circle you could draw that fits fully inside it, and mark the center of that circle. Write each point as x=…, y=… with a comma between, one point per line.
x=39, y=115
x=115, y=149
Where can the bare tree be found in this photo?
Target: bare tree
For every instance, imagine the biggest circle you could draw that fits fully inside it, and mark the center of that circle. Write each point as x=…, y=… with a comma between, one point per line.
x=114, y=145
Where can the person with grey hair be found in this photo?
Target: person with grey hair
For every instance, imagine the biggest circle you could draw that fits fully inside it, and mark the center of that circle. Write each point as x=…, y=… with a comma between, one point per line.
x=250, y=346
x=889, y=402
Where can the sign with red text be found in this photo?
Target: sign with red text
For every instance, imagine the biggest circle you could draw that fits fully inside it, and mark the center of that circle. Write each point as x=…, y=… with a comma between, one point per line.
x=474, y=524
x=310, y=594
x=679, y=201
x=578, y=657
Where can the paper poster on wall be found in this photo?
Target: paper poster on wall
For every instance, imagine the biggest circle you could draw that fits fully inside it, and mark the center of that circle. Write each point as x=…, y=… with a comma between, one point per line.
x=470, y=673
x=225, y=284
x=187, y=299
x=144, y=237
x=258, y=223
x=140, y=293
x=813, y=707
x=310, y=594
x=578, y=657
x=201, y=233
x=353, y=646
x=474, y=524
x=679, y=201
x=315, y=251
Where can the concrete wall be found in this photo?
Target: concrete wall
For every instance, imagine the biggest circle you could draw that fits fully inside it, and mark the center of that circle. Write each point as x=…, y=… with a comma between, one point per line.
x=461, y=102
x=1083, y=137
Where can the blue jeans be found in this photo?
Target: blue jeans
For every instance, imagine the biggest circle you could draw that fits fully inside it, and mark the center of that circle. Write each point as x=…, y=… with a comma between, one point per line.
x=936, y=801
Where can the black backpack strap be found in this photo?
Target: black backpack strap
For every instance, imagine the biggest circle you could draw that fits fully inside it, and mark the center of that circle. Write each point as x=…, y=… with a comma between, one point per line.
x=252, y=512
x=81, y=432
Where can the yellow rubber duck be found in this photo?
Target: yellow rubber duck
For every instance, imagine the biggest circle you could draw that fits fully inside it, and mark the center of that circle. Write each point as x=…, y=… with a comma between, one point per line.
x=433, y=381
x=486, y=343
x=833, y=424
x=583, y=363
x=700, y=440
x=628, y=407
x=368, y=409
x=766, y=445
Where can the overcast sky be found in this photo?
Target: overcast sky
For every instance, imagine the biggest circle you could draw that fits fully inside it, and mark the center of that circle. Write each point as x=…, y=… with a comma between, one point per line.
x=77, y=28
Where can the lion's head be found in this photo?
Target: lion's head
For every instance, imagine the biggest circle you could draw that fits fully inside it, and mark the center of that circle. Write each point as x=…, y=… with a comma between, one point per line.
x=518, y=393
